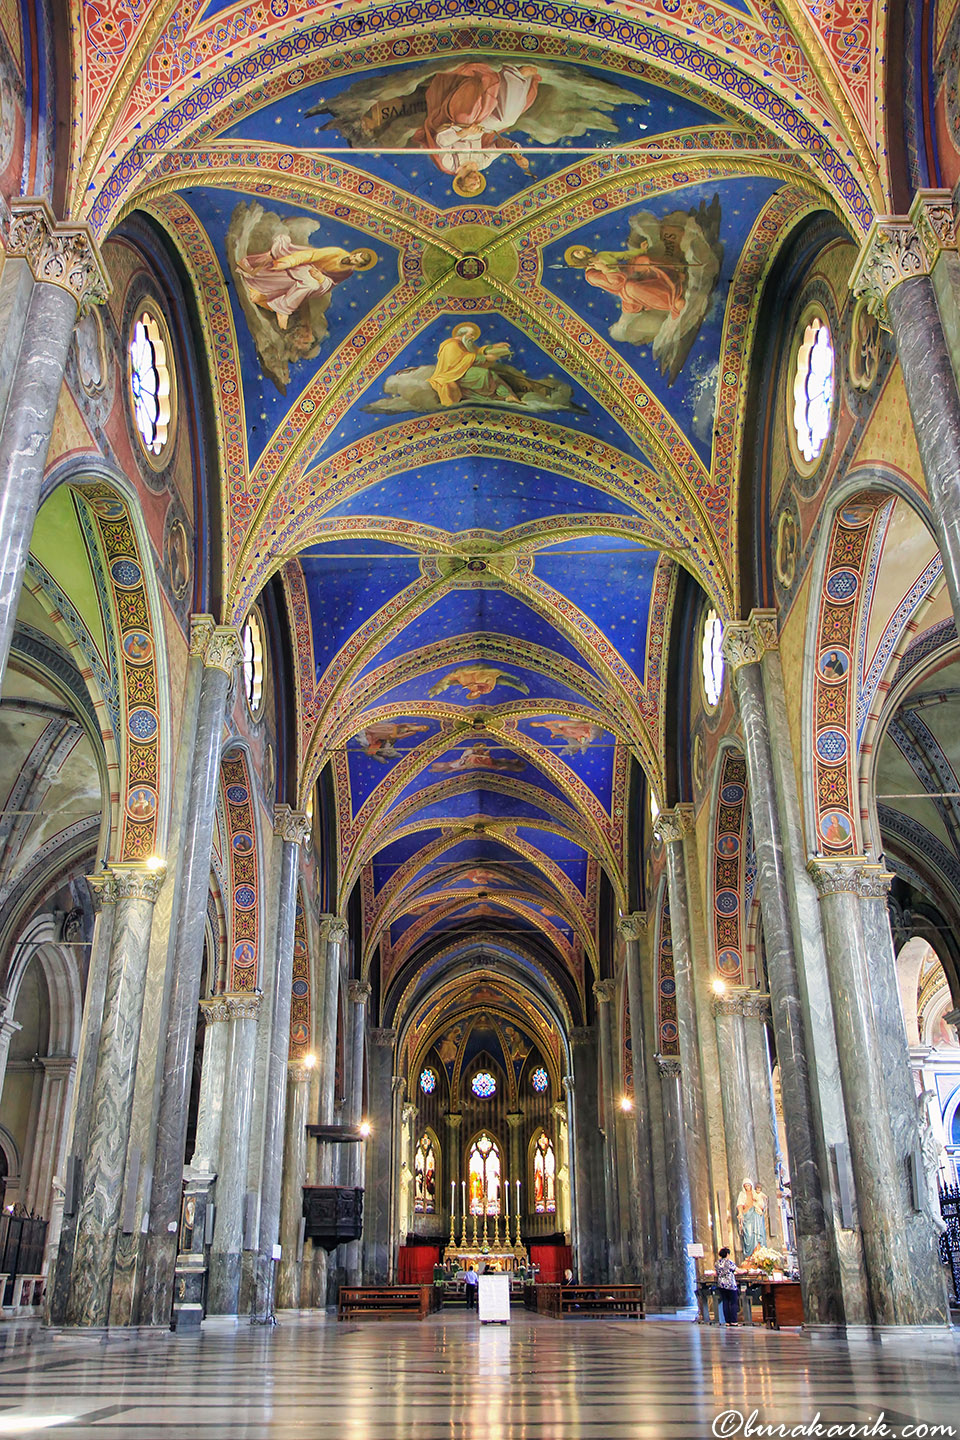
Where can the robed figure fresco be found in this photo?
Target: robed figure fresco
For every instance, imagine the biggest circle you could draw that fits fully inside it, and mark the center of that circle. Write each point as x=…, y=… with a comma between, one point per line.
x=467, y=371
x=284, y=284
x=663, y=281
x=463, y=114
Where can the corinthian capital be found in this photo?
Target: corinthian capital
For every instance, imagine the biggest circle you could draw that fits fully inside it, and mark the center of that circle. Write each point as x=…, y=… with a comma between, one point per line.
x=673, y=824
x=632, y=926
x=292, y=826
x=763, y=624
x=741, y=645
x=382, y=1035
x=57, y=253
x=850, y=877
x=900, y=247
x=103, y=888
x=223, y=650
x=668, y=1066
x=605, y=991
x=359, y=991
x=201, y=628
x=333, y=929
x=136, y=881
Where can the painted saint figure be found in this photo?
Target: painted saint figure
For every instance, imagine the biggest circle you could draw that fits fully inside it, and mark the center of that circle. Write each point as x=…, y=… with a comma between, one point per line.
x=465, y=370
x=638, y=282
x=468, y=111
x=477, y=679
x=282, y=278
x=479, y=757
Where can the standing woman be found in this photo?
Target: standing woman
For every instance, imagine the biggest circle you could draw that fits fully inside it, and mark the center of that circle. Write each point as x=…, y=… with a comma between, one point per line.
x=727, y=1285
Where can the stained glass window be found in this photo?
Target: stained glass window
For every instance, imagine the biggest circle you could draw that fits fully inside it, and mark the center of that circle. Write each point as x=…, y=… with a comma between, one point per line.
x=813, y=390
x=483, y=1169
x=150, y=383
x=428, y=1081
x=712, y=658
x=425, y=1176
x=252, y=640
x=539, y=1080
x=483, y=1085
x=544, y=1177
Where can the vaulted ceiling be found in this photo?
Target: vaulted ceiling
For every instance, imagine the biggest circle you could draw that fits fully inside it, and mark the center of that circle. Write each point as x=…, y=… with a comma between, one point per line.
x=477, y=287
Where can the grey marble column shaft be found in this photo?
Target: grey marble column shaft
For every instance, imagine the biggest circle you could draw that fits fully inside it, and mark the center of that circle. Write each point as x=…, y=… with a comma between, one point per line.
x=818, y=1272
x=931, y=388
x=294, y=1175
x=98, y=1225
x=218, y=649
x=359, y=994
x=333, y=932
x=293, y=828
x=379, y=1148
x=570, y=1091
x=25, y=432
x=605, y=991
x=756, y=1013
x=736, y=1083
x=206, y=1149
x=868, y=1064
x=104, y=890
x=240, y=1013
x=590, y=1217
x=672, y=825
x=678, y=1287
x=633, y=929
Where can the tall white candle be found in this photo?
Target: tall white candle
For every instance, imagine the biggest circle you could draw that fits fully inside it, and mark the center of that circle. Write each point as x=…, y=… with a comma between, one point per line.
x=453, y=1198
x=506, y=1201
x=463, y=1188
x=518, y=1198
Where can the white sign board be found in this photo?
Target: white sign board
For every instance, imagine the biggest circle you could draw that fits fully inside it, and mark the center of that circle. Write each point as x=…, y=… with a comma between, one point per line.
x=494, y=1298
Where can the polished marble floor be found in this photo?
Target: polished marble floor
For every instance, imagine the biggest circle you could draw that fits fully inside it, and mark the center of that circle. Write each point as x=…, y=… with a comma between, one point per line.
x=538, y=1379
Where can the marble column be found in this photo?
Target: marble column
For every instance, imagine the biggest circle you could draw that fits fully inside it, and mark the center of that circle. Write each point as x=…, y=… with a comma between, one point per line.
x=672, y=825
x=744, y=645
x=591, y=1220
x=358, y=992
x=217, y=648
x=213, y=1078
x=736, y=1084
x=606, y=992
x=292, y=827
x=404, y=1188
x=398, y=1087
x=562, y=1136
x=104, y=891
x=570, y=1091
x=98, y=1223
x=58, y=1072
x=894, y=273
x=8, y=1028
x=452, y=1170
x=379, y=1149
x=240, y=1011
x=756, y=1017
x=50, y=270
x=633, y=931
x=903, y=1290
x=333, y=933
x=679, y=1284
x=299, y=1076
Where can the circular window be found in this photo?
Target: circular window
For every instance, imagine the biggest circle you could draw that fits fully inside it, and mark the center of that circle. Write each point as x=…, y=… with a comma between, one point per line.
x=252, y=640
x=539, y=1080
x=428, y=1081
x=152, y=391
x=483, y=1085
x=711, y=659
x=813, y=390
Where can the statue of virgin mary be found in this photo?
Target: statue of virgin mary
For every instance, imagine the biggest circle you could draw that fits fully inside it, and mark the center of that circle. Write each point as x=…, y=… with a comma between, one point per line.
x=751, y=1218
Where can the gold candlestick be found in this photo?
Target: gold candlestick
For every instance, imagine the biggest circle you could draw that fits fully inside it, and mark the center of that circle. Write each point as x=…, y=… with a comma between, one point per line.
x=463, y=1231
x=496, y=1230
x=484, y=1220
x=517, y=1241
x=453, y=1238
x=474, y=1229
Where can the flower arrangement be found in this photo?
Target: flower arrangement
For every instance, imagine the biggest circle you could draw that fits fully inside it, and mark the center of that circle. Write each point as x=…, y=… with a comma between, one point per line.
x=767, y=1260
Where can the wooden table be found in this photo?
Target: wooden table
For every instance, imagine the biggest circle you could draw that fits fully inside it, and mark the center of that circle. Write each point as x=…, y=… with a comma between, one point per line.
x=781, y=1302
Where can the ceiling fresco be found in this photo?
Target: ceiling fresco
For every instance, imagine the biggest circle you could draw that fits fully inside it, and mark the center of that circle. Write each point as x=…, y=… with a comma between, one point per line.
x=477, y=284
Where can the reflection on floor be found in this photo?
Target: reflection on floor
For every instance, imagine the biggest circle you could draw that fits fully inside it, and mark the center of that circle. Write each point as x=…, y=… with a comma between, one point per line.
x=447, y=1377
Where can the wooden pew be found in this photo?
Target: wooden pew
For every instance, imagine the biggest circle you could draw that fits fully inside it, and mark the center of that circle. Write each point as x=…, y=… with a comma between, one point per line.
x=615, y=1302
x=385, y=1301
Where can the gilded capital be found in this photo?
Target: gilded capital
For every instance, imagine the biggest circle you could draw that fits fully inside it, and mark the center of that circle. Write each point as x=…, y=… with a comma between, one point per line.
x=201, y=628
x=729, y=1003
x=382, y=1035
x=358, y=991
x=632, y=926
x=741, y=645
x=454, y=1120
x=763, y=624
x=136, y=881
x=668, y=1066
x=854, y=876
x=333, y=929
x=57, y=253
x=515, y=1120
x=605, y=991
x=292, y=826
x=103, y=889
x=672, y=825
x=901, y=247
x=756, y=1006
x=223, y=650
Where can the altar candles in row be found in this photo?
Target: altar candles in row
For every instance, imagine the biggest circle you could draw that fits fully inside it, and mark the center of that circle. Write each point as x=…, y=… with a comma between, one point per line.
x=463, y=1198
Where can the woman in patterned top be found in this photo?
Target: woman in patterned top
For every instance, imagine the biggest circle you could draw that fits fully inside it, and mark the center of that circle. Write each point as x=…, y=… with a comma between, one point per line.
x=727, y=1285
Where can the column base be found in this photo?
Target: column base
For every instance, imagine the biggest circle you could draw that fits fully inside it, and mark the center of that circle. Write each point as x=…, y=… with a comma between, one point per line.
x=879, y=1333
x=103, y=1333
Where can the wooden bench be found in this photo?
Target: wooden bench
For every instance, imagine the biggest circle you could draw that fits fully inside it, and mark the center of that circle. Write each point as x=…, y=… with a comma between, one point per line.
x=383, y=1301
x=612, y=1301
